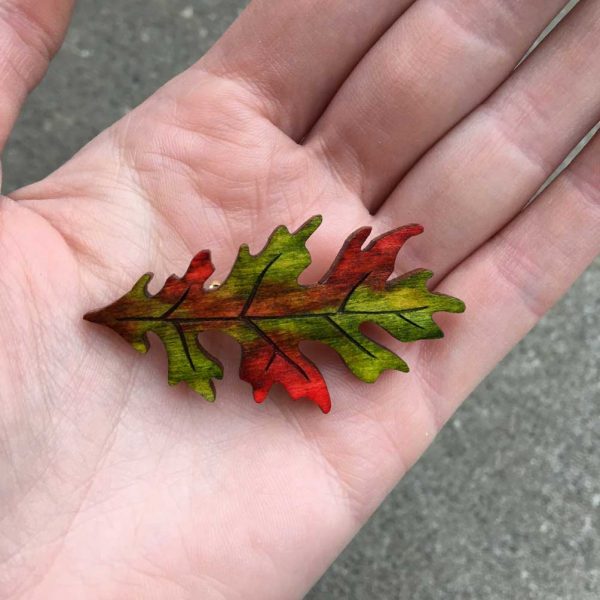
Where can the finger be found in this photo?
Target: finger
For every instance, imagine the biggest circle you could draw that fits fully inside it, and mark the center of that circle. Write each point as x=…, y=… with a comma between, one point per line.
x=292, y=56
x=507, y=286
x=31, y=32
x=435, y=65
x=485, y=171
x=514, y=279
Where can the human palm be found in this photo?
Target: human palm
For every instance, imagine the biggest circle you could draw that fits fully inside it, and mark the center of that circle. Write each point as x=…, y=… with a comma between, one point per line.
x=117, y=485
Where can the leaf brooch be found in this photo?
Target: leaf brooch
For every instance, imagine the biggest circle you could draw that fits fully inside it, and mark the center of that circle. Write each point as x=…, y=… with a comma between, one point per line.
x=263, y=307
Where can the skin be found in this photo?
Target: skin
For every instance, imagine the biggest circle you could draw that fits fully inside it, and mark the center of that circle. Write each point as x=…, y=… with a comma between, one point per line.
x=115, y=485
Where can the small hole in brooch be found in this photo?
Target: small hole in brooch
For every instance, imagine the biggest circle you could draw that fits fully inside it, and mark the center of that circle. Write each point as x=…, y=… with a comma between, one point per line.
x=214, y=285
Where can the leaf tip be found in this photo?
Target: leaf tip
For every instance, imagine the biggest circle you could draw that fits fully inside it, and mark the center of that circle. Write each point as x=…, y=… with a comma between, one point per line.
x=260, y=395
x=461, y=307
x=99, y=317
x=142, y=345
x=325, y=409
x=91, y=316
x=207, y=389
x=452, y=304
x=322, y=399
x=141, y=285
x=309, y=227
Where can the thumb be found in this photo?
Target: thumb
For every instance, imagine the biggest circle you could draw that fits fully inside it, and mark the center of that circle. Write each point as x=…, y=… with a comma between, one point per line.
x=31, y=32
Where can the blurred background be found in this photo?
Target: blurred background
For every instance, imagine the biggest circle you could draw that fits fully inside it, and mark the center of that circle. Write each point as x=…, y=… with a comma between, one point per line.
x=506, y=503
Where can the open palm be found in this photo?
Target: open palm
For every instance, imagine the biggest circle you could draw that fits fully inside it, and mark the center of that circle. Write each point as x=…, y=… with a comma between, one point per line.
x=117, y=486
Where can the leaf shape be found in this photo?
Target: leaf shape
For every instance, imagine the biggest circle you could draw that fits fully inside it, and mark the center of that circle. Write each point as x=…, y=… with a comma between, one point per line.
x=262, y=306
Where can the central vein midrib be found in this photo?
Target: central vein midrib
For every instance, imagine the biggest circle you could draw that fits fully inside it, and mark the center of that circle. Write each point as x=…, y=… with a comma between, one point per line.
x=275, y=317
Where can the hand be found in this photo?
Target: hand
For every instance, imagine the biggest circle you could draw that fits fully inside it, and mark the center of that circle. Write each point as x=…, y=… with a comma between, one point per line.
x=116, y=486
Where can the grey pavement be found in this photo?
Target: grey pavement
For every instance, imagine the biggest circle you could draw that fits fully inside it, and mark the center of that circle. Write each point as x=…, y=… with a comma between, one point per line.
x=506, y=503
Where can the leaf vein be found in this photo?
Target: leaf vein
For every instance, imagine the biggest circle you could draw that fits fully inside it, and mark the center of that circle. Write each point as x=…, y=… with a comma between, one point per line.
x=352, y=290
x=175, y=306
x=276, y=347
x=352, y=339
x=184, y=343
x=256, y=285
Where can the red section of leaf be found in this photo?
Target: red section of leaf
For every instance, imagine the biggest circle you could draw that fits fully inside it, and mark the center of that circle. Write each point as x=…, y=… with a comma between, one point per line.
x=200, y=269
x=266, y=365
x=375, y=263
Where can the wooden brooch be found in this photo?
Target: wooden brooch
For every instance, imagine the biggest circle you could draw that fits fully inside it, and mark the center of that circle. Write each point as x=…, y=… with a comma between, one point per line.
x=262, y=306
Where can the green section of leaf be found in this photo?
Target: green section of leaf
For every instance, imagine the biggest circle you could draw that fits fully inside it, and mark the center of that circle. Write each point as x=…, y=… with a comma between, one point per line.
x=187, y=360
x=279, y=264
x=404, y=308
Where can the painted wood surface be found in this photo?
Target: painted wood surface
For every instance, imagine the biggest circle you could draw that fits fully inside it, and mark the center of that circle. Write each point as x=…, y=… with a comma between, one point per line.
x=262, y=306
